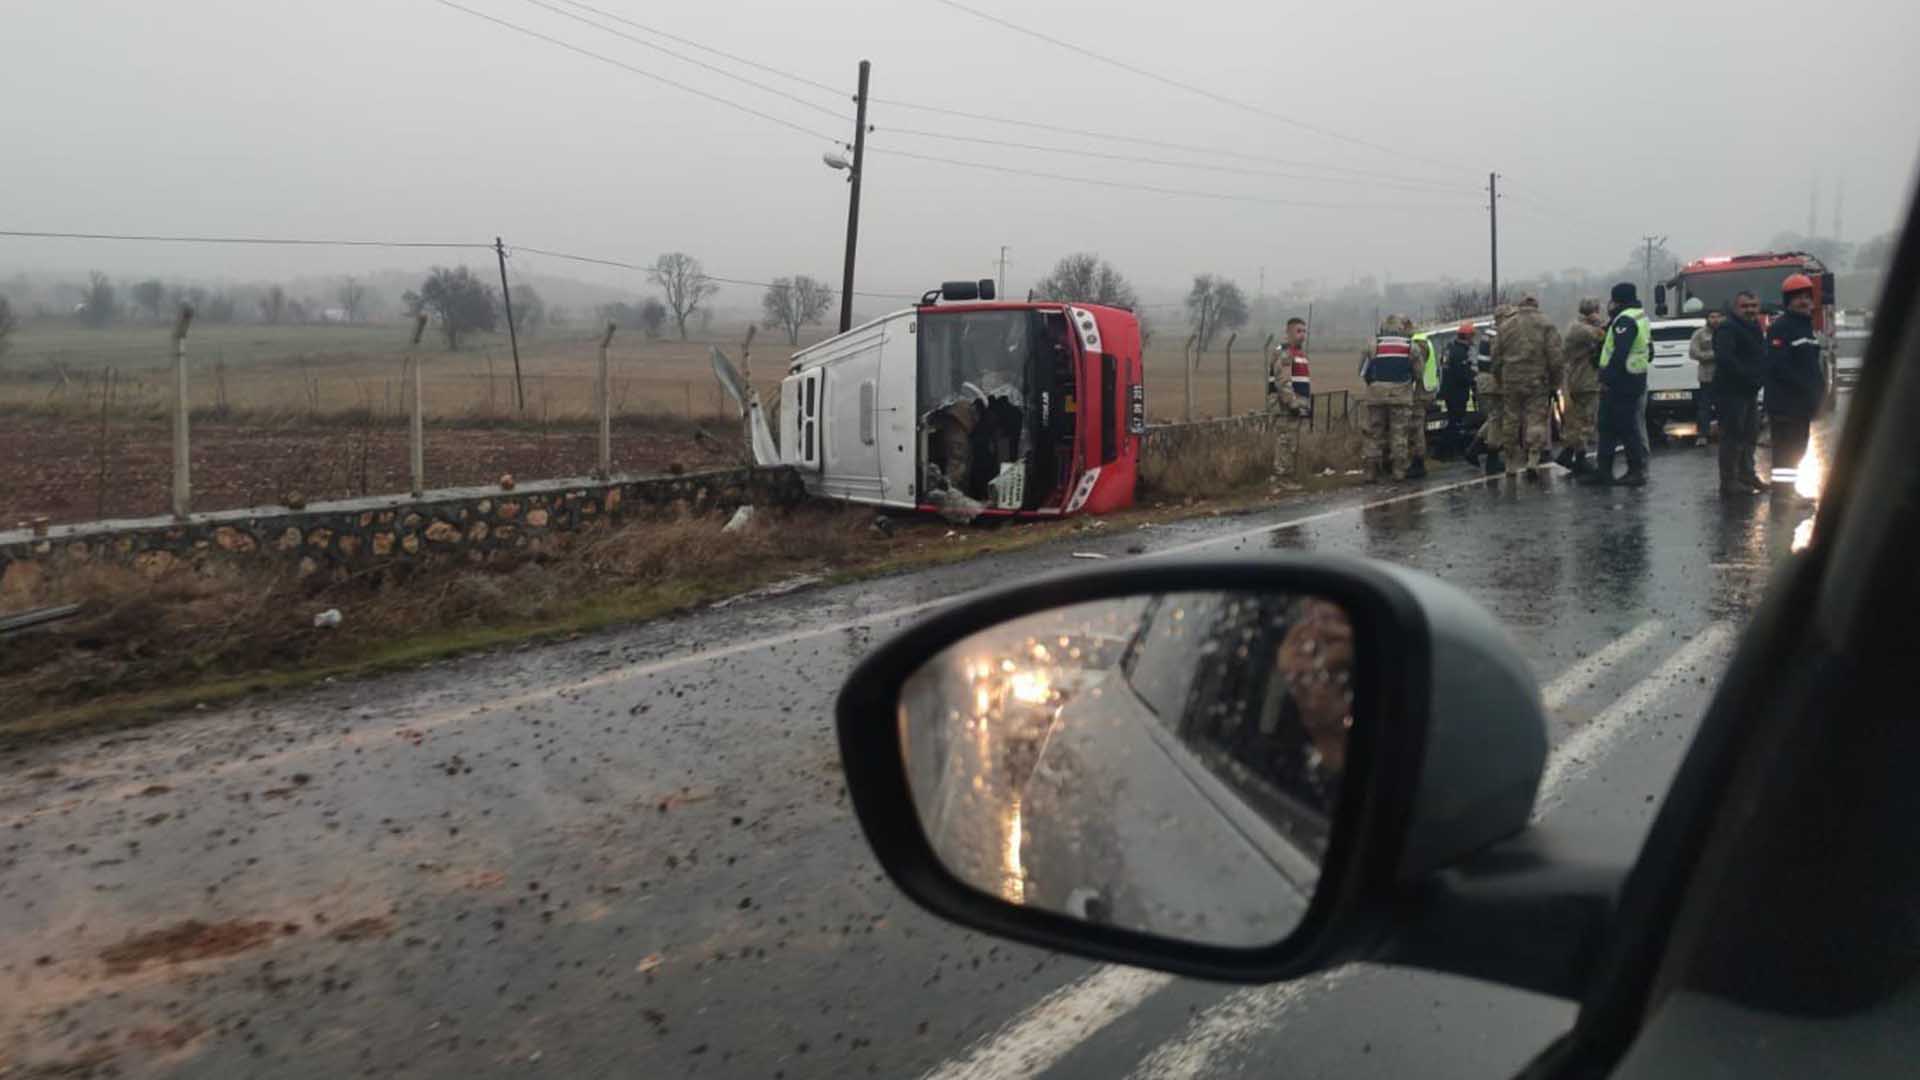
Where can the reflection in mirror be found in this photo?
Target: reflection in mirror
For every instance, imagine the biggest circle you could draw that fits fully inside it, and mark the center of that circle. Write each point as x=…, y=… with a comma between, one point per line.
x=1167, y=764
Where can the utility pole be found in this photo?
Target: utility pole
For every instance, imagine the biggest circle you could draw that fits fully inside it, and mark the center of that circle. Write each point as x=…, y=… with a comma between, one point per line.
x=1652, y=242
x=1002, y=293
x=853, y=197
x=513, y=336
x=182, y=410
x=1493, y=239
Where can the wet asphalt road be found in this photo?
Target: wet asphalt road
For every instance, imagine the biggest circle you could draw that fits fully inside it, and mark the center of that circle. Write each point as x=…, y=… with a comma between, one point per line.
x=633, y=854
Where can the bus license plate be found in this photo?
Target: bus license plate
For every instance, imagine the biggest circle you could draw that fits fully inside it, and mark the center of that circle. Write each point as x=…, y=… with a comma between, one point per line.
x=1673, y=395
x=1137, y=409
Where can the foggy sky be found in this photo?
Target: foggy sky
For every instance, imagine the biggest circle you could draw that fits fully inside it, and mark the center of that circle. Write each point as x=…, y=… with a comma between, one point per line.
x=403, y=119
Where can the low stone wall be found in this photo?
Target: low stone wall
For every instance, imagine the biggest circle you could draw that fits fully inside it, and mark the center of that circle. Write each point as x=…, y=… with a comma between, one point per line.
x=474, y=524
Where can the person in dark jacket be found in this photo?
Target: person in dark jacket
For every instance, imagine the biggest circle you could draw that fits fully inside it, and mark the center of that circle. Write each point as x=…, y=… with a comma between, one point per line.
x=1624, y=358
x=1796, y=381
x=1740, y=365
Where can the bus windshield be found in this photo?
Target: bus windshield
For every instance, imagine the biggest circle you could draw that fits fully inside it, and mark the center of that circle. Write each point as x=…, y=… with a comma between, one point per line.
x=989, y=389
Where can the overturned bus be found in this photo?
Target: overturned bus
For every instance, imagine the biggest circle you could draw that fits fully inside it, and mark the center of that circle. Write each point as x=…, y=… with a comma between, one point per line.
x=964, y=406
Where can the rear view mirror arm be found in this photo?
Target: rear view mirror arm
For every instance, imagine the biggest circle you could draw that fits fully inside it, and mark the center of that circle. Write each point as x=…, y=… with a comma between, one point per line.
x=1531, y=912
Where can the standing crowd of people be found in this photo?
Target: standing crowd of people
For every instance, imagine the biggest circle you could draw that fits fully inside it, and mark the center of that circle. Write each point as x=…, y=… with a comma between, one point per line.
x=1591, y=378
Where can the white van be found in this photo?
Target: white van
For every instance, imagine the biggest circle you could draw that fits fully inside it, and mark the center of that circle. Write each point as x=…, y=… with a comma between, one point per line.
x=1672, y=377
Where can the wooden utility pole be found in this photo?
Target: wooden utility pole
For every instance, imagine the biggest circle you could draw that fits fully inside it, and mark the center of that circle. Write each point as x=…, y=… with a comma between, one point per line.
x=513, y=336
x=1493, y=239
x=1231, y=338
x=853, y=196
x=1651, y=242
x=182, y=459
x=603, y=390
x=417, y=427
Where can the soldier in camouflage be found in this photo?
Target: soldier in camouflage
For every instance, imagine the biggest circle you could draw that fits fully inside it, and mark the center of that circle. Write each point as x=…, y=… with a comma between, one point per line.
x=1486, y=391
x=1526, y=357
x=1284, y=403
x=1387, y=403
x=1580, y=356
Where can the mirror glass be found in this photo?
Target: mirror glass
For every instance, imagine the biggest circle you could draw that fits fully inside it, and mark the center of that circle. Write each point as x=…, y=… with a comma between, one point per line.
x=1165, y=763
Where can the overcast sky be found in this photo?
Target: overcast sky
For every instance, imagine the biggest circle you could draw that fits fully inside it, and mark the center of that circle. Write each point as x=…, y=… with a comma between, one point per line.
x=1706, y=120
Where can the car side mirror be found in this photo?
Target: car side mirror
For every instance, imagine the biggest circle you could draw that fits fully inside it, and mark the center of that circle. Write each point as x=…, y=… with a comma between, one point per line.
x=1232, y=770
x=1659, y=299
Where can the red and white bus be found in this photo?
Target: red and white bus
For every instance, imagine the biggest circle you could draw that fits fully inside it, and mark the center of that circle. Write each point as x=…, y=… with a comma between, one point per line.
x=966, y=406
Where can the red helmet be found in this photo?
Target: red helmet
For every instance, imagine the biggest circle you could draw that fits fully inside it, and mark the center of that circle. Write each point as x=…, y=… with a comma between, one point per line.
x=1466, y=329
x=1796, y=283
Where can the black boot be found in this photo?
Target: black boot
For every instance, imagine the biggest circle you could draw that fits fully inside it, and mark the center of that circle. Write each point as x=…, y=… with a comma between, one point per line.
x=1473, y=451
x=1634, y=478
x=1496, y=465
x=1417, y=470
x=1567, y=458
x=1580, y=466
x=1601, y=475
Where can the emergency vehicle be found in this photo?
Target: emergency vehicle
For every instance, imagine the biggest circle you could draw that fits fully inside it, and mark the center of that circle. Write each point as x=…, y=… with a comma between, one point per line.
x=1710, y=284
x=964, y=406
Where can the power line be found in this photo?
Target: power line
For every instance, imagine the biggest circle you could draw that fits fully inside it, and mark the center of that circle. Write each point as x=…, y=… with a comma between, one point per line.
x=1153, y=188
x=1167, y=162
x=265, y=240
x=624, y=66
x=692, y=44
x=1167, y=145
x=723, y=72
x=1081, y=49
x=621, y=265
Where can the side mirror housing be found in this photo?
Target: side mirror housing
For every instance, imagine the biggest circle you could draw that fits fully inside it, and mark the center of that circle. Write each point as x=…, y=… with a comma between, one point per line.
x=1234, y=770
x=1659, y=299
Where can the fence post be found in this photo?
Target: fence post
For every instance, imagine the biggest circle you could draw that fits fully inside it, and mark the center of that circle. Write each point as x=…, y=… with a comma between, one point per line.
x=417, y=433
x=604, y=391
x=1186, y=355
x=1230, y=340
x=182, y=461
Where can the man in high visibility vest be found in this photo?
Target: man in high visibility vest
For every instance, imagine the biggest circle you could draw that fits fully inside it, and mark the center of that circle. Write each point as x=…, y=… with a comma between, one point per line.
x=1624, y=359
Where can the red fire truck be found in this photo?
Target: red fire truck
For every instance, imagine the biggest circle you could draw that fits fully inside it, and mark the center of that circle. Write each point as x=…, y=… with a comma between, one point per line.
x=965, y=406
x=1710, y=284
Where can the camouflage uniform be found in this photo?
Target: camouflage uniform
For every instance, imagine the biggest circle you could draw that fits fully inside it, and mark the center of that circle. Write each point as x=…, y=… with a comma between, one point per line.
x=1526, y=355
x=1286, y=408
x=1487, y=390
x=1579, y=428
x=1386, y=410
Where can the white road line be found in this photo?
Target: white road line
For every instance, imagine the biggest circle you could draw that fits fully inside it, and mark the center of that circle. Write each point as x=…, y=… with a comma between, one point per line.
x=1230, y=1024
x=1061, y=1021
x=1040, y=1037
x=1583, y=674
x=1578, y=754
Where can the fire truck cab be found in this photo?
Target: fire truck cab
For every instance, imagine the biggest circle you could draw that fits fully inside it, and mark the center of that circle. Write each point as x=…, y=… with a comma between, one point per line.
x=968, y=407
x=1710, y=284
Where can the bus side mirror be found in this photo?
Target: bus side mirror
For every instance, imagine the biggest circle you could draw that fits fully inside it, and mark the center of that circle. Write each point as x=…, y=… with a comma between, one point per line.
x=1828, y=290
x=1660, y=300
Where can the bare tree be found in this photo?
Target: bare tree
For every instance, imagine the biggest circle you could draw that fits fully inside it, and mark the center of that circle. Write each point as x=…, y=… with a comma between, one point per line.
x=8, y=324
x=1214, y=303
x=459, y=299
x=1089, y=279
x=151, y=295
x=684, y=285
x=99, y=303
x=793, y=303
x=352, y=297
x=273, y=305
x=653, y=316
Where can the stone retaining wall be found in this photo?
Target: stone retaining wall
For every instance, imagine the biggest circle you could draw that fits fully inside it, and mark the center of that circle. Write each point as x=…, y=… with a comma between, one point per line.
x=474, y=524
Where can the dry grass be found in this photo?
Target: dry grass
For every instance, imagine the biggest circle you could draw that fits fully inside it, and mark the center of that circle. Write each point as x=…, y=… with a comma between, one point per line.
x=224, y=619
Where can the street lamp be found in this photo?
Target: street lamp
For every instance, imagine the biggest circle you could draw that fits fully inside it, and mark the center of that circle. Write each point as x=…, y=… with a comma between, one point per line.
x=836, y=162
